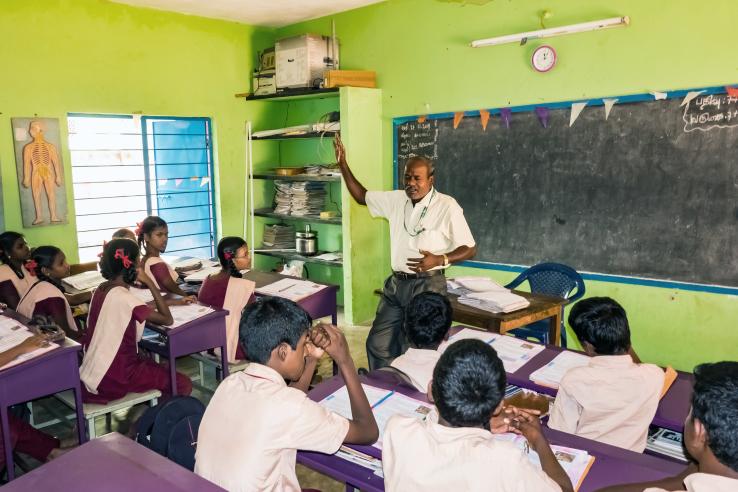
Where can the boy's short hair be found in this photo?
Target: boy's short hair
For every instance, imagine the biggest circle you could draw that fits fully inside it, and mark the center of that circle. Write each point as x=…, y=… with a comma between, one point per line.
x=468, y=383
x=715, y=404
x=427, y=320
x=268, y=322
x=602, y=322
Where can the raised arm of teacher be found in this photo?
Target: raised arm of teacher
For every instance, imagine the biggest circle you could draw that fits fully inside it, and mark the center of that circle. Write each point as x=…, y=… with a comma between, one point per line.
x=356, y=189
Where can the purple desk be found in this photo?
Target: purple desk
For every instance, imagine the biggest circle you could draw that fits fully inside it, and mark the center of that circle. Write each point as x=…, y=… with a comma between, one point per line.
x=49, y=373
x=318, y=305
x=112, y=463
x=670, y=414
x=612, y=465
x=196, y=336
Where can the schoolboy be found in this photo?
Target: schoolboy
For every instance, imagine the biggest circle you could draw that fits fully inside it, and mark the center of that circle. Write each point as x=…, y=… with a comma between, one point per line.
x=255, y=423
x=456, y=450
x=612, y=399
x=426, y=325
x=710, y=435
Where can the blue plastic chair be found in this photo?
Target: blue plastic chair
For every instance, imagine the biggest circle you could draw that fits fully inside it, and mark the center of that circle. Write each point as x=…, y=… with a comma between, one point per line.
x=553, y=279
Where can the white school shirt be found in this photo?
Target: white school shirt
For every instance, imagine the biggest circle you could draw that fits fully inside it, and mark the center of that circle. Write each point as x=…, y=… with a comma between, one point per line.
x=611, y=400
x=704, y=482
x=425, y=456
x=443, y=226
x=253, y=427
x=418, y=365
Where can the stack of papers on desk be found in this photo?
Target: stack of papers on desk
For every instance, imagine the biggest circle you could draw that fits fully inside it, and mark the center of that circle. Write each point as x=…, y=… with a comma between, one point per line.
x=575, y=462
x=185, y=314
x=279, y=236
x=513, y=352
x=550, y=375
x=385, y=403
x=290, y=288
x=12, y=334
x=495, y=301
x=83, y=281
x=667, y=442
x=466, y=285
x=202, y=274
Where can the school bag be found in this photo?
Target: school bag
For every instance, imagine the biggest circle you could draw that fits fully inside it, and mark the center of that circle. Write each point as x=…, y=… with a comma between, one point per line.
x=170, y=429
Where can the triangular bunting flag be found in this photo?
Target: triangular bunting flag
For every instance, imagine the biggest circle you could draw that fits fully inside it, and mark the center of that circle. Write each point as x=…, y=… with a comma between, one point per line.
x=506, y=114
x=458, y=116
x=732, y=91
x=658, y=95
x=195, y=178
x=421, y=119
x=542, y=114
x=205, y=180
x=690, y=95
x=609, y=103
x=484, y=118
x=576, y=108
x=178, y=182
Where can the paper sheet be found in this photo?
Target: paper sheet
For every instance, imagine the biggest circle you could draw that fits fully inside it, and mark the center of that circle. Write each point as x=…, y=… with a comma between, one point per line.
x=551, y=374
x=144, y=294
x=513, y=352
x=467, y=333
x=85, y=280
x=185, y=314
x=290, y=288
x=338, y=401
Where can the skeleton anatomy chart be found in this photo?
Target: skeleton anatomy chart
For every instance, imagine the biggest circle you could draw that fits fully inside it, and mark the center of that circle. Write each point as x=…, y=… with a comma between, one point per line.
x=40, y=171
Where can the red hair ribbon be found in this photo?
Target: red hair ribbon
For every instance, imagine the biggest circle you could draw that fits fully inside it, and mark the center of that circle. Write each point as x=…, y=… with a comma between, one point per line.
x=139, y=228
x=120, y=255
x=99, y=255
x=228, y=255
x=31, y=266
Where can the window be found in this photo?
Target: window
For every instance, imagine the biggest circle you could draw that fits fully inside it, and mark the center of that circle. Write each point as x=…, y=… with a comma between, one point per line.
x=124, y=169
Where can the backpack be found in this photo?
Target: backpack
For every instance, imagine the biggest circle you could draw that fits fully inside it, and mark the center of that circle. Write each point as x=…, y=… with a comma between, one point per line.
x=170, y=429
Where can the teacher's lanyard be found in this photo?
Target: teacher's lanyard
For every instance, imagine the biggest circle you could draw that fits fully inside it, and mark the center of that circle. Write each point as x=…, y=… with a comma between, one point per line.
x=420, y=219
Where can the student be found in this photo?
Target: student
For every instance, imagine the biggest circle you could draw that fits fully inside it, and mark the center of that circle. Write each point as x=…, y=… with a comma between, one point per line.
x=710, y=435
x=255, y=423
x=124, y=233
x=111, y=366
x=227, y=290
x=612, y=399
x=426, y=324
x=455, y=450
x=153, y=235
x=24, y=438
x=14, y=277
x=46, y=296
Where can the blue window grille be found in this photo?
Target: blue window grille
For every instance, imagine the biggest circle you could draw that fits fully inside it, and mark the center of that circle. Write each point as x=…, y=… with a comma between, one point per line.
x=124, y=169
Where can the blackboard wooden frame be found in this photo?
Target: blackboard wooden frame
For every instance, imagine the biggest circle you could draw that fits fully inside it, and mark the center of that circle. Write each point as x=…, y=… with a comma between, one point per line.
x=603, y=277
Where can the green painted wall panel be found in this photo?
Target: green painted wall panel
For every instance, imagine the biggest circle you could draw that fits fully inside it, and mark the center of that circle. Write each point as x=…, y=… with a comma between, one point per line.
x=419, y=49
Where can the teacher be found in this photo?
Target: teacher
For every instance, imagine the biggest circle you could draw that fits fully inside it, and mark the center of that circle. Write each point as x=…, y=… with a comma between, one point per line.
x=428, y=232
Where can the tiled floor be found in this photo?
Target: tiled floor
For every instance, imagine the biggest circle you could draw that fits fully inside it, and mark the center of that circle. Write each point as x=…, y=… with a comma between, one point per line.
x=47, y=408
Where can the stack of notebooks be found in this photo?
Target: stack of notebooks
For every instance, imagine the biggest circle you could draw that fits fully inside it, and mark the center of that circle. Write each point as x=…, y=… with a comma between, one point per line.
x=299, y=198
x=666, y=442
x=482, y=293
x=279, y=236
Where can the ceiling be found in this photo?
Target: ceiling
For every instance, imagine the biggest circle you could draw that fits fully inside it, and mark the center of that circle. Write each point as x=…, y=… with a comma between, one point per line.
x=271, y=13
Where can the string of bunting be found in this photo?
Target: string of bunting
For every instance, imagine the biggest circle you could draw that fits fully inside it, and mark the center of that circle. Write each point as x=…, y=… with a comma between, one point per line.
x=542, y=112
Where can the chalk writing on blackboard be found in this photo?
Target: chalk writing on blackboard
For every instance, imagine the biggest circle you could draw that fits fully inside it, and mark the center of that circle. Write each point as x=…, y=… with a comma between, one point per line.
x=711, y=111
x=417, y=139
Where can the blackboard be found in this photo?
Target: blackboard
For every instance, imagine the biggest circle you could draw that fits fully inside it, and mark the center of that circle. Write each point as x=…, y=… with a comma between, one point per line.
x=651, y=191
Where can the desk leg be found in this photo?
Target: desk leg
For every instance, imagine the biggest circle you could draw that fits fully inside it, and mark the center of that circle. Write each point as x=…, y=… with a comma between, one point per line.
x=9, y=465
x=172, y=369
x=81, y=434
x=224, y=356
x=554, y=330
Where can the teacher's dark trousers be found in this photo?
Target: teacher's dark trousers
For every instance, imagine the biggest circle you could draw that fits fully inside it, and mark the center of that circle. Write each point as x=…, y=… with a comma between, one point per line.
x=386, y=340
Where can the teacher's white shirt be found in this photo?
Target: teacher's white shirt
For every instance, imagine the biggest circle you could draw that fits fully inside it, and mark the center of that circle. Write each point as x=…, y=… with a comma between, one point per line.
x=435, y=224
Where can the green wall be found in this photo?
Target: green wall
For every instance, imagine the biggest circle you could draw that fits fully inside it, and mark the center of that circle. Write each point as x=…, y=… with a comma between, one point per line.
x=419, y=51
x=93, y=56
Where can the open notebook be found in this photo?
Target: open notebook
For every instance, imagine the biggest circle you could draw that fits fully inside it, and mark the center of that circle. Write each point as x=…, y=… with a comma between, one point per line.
x=513, y=352
x=12, y=333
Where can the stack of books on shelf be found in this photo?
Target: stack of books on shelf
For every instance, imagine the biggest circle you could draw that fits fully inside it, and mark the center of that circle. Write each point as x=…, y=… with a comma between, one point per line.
x=299, y=198
x=278, y=236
